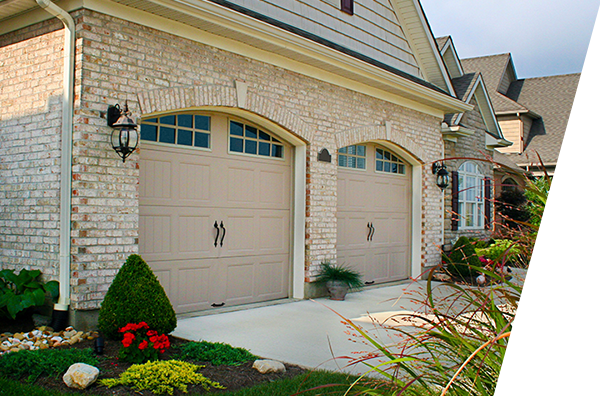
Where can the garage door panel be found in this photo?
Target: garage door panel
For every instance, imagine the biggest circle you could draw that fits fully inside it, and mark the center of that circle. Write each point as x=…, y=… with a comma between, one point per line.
x=240, y=281
x=273, y=229
x=157, y=234
x=272, y=277
x=379, y=268
x=352, y=230
x=195, y=234
x=157, y=181
x=354, y=259
x=270, y=192
x=194, y=288
x=240, y=185
x=240, y=235
x=195, y=183
x=399, y=260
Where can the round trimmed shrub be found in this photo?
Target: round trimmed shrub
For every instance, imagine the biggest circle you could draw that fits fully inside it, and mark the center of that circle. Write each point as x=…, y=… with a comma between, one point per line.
x=135, y=296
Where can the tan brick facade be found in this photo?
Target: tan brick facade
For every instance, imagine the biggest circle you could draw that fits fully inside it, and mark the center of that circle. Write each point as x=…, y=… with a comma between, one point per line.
x=30, y=123
x=156, y=72
x=467, y=147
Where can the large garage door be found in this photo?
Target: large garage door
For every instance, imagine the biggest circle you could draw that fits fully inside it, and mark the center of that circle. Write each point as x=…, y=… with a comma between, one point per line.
x=215, y=210
x=374, y=212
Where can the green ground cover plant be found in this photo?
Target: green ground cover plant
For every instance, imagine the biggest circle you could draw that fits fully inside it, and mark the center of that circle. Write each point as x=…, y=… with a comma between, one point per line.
x=535, y=334
x=162, y=377
x=19, y=292
x=216, y=353
x=43, y=362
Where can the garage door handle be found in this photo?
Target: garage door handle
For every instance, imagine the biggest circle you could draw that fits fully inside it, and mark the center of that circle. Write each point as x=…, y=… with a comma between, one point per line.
x=215, y=305
x=217, y=228
x=371, y=231
x=224, y=231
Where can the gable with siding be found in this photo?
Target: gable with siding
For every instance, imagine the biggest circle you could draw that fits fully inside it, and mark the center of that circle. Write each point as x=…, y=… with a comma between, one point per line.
x=373, y=31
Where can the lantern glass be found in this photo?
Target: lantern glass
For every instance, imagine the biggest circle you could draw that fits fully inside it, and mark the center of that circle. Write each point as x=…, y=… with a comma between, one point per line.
x=443, y=179
x=124, y=141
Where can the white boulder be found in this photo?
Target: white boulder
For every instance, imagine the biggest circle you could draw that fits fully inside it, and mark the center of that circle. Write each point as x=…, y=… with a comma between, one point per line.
x=268, y=366
x=80, y=375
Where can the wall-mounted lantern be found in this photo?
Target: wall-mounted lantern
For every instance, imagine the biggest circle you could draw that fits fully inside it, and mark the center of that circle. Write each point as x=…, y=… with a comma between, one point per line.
x=443, y=177
x=125, y=136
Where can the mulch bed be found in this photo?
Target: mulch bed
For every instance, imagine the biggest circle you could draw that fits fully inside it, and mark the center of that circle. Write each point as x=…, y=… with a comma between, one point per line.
x=231, y=377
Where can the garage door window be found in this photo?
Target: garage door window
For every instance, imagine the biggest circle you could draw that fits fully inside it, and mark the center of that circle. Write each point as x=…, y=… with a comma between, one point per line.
x=247, y=139
x=190, y=130
x=387, y=162
x=354, y=157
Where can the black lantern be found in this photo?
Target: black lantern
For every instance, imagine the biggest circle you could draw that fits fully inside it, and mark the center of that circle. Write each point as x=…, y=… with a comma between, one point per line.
x=125, y=136
x=443, y=178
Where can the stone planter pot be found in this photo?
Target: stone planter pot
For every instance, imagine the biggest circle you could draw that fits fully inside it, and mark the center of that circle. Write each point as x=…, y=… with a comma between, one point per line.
x=337, y=290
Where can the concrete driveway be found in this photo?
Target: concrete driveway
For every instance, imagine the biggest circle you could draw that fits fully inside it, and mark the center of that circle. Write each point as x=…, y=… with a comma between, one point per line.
x=307, y=333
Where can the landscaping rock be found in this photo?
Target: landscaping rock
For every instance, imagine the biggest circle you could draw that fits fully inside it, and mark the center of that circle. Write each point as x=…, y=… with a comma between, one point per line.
x=41, y=338
x=80, y=375
x=268, y=366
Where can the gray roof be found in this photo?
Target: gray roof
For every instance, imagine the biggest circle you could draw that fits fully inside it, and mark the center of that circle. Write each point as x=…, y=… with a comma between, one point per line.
x=493, y=68
x=441, y=41
x=552, y=98
x=462, y=86
x=548, y=100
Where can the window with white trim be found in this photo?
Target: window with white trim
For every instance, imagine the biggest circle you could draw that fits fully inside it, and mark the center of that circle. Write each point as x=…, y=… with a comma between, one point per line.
x=471, y=194
x=192, y=130
x=354, y=157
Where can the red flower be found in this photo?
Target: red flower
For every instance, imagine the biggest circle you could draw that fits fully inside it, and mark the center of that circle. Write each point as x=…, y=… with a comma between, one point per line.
x=128, y=339
x=143, y=345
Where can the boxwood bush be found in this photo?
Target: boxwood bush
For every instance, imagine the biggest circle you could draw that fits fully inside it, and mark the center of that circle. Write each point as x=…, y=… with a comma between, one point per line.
x=135, y=296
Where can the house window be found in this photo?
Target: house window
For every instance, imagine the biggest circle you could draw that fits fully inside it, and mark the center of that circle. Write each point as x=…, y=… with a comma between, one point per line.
x=347, y=6
x=192, y=130
x=354, y=157
x=471, y=197
x=387, y=162
x=248, y=139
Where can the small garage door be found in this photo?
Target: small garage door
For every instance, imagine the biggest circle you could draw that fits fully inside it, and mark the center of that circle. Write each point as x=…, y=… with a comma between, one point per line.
x=374, y=212
x=215, y=210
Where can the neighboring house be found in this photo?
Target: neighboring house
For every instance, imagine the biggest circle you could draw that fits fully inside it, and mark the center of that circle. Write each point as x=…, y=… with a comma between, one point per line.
x=231, y=196
x=470, y=138
x=532, y=112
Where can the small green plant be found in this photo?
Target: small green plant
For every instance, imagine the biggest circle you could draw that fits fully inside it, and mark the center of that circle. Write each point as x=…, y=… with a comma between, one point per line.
x=141, y=344
x=216, y=353
x=161, y=377
x=329, y=272
x=463, y=260
x=135, y=296
x=43, y=362
x=19, y=292
x=501, y=251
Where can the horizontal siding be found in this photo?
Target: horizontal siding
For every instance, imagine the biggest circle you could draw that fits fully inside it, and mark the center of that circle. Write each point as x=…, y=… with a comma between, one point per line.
x=511, y=129
x=373, y=30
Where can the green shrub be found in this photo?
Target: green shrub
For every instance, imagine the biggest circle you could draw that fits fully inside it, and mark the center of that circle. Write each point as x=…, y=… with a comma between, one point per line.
x=463, y=258
x=135, y=296
x=162, y=377
x=329, y=272
x=501, y=251
x=216, y=353
x=43, y=362
x=19, y=292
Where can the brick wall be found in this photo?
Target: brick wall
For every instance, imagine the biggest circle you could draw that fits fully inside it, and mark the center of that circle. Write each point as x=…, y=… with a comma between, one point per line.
x=31, y=65
x=467, y=147
x=118, y=60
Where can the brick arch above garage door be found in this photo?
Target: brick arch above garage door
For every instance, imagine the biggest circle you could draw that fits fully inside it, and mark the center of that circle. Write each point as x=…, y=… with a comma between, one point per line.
x=240, y=97
x=383, y=133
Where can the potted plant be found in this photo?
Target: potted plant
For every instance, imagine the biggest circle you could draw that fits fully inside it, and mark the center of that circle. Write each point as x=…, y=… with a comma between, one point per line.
x=339, y=280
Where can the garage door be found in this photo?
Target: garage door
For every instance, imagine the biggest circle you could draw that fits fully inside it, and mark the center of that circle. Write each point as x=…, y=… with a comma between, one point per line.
x=215, y=210
x=374, y=212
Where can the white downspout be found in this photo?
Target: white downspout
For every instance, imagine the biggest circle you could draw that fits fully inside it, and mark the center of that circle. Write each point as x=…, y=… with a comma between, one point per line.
x=66, y=154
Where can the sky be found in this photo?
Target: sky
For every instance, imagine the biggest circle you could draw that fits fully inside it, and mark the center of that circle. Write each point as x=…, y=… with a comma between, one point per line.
x=545, y=37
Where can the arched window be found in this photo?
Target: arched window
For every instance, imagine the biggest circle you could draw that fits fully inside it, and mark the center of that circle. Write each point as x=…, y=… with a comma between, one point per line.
x=471, y=197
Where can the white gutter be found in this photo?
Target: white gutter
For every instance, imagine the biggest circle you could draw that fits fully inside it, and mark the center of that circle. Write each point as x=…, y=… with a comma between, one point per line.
x=64, y=276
